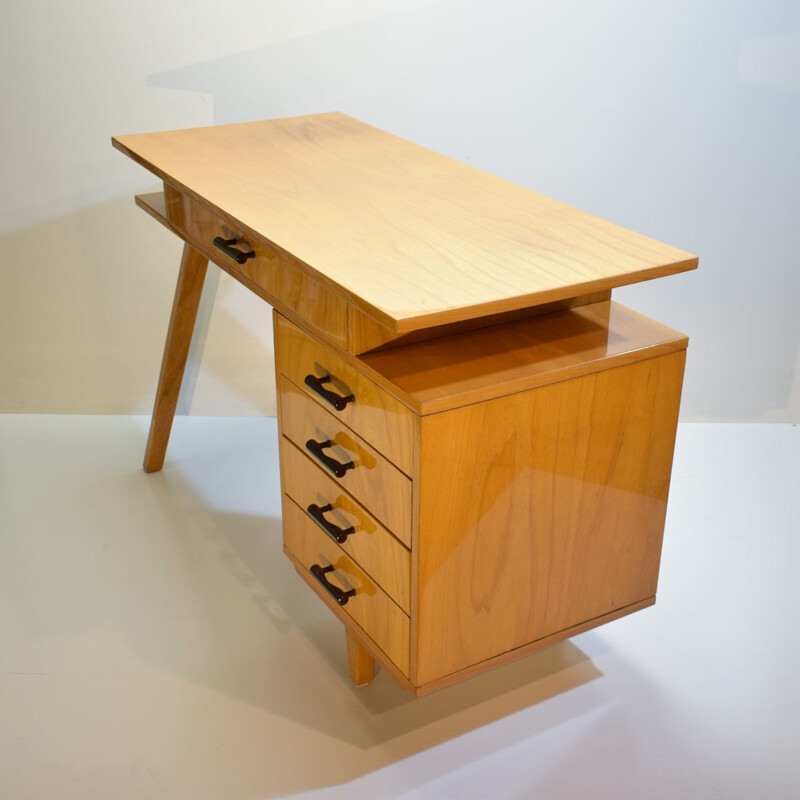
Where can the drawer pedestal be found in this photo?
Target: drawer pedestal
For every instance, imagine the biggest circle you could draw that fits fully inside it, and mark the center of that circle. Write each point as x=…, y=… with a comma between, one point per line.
x=476, y=443
x=516, y=519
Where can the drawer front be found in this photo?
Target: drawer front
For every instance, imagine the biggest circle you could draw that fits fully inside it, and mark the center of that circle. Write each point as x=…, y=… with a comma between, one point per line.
x=372, y=480
x=268, y=270
x=370, y=607
x=373, y=413
x=382, y=556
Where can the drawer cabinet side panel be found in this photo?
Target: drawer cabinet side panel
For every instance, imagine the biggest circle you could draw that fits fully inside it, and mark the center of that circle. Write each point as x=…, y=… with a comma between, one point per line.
x=541, y=510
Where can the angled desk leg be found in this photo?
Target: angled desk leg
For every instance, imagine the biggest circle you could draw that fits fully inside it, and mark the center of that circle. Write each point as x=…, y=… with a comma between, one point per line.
x=179, y=337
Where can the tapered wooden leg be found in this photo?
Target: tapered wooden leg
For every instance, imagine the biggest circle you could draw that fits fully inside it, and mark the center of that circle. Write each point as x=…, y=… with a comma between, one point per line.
x=179, y=337
x=362, y=665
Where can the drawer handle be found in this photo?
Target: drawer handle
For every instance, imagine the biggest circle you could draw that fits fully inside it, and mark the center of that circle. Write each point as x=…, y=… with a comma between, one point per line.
x=336, y=400
x=336, y=467
x=334, y=531
x=226, y=245
x=339, y=595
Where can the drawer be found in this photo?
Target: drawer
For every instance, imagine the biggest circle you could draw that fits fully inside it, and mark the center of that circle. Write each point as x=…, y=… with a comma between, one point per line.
x=370, y=544
x=373, y=413
x=370, y=607
x=372, y=480
x=270, y=271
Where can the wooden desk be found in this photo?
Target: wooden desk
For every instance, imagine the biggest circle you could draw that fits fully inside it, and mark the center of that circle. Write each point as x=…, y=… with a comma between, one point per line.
x=476, y=442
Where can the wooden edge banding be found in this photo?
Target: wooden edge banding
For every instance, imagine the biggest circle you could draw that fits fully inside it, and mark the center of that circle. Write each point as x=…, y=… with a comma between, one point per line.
x=367, y=335
x=353, y=628
x=409, y=324
x=413, y=628
x=153, y=205
x=556, y=376
x=476, y=669
x=526, y=649
x=403, y=325
x=320, y=277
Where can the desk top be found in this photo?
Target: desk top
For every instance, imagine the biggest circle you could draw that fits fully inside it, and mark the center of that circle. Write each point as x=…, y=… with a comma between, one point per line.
x=413, y=238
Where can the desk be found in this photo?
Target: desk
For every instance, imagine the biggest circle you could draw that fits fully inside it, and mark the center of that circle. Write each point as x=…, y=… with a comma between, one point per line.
x=476, y=441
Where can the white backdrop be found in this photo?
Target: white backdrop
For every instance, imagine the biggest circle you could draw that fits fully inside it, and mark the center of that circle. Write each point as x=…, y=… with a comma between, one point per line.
x=680, y=120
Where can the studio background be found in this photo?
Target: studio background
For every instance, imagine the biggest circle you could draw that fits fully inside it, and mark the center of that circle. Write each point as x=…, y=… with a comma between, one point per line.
x=680, y=121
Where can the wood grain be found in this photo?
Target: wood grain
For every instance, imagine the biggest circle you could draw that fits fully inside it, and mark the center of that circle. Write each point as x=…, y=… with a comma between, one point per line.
x=540, y=447
x=329, y=309
x=350, y=626
x=365, y=334
x=176, y=350
x=360, y=662
x=154, y=203
x=382, y=420
x=276, y=274
x=411, y=237
x=531, y=647
x=371, y=608
x=541, y=510
x=374, y=482
x=470, y=367
x=377, y=552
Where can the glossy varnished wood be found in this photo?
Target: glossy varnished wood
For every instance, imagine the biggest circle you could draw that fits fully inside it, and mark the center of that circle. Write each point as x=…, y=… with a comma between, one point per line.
x=478, y=365
x=275, y=273
x=541, y=510
x=365, y=333
x=411, y=237
x=350, y=626
x=176, y=350
x=374, y=481
x=360, y=662
x=329, y=309
x=155, y=204
x=376, y=415
x=527, y=649
x=379, y=553
x=511, y=425
x=371, y=608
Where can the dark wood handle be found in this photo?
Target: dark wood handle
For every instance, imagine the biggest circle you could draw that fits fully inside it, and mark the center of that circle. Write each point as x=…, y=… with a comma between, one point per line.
x=317, y=513
x=336, y=400
x=336, y=467
x=226, y=245
x=339, y=595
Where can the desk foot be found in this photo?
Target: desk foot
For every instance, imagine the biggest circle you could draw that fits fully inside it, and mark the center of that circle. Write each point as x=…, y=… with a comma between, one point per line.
x=176, y=350
x=362, y=664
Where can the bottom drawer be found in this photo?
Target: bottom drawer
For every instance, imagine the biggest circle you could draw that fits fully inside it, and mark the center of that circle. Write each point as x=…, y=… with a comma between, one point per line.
x=370, y=607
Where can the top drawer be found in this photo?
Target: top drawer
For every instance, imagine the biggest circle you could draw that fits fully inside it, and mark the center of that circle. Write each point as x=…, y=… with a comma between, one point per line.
x=374, y=414
x=285, y=283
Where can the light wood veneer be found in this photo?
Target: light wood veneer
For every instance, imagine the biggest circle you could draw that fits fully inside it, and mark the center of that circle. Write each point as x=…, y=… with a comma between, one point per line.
x=380, y=554
x=510, y=428
x=446, y=373
x=412, y=238
x=189, y=288
x=538, y=495
x=374, y=414
x=374, y=481
x=541, y=510
x=370, y=608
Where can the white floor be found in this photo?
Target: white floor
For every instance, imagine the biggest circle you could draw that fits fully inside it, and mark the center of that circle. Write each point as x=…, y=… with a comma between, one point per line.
x=154, y=642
